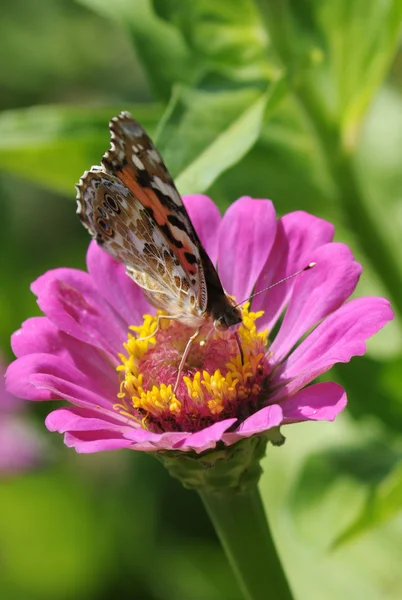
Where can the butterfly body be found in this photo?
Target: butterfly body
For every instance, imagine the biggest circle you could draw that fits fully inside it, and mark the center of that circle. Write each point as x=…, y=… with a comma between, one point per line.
x=131, y=207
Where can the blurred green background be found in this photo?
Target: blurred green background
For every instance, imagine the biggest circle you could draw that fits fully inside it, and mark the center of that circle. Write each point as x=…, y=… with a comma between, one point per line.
x=293, y=100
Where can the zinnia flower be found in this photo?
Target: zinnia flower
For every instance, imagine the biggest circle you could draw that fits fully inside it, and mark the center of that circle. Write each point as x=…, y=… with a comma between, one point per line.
x=86, y=350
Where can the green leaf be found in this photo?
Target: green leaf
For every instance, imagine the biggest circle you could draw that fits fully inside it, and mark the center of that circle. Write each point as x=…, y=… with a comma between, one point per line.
x=159, y=45
x=285, y=146
x=203, y=134
x=338, y=52
x=53, y=145
x=358, y=474
x=383, y=504
x=329, y=102
x=224, y=37
x=189, y=42
x=374, y=387
x=356, y=42
x=208, y=132
x=284, y=165
x=226, y=150
x=368, y=568
x=379, y=159
x=360, y=40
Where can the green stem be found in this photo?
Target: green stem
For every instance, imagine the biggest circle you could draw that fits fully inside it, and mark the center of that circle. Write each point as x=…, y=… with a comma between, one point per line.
x=241, y=524
x=278, y=19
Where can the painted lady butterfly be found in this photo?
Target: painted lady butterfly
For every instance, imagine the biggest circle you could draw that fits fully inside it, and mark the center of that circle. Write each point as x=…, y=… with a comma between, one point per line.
x=131, y=207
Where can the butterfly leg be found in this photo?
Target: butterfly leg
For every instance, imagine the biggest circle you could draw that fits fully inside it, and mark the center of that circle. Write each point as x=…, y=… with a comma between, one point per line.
x=240, y=348
x=184, y=357
x=151, y=335
x=205, y=340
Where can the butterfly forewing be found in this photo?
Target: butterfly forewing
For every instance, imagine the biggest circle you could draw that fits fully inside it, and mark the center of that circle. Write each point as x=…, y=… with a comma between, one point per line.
x=134, y=159
x=131, y=207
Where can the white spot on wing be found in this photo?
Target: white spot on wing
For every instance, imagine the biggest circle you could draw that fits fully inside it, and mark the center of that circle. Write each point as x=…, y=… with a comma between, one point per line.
x=138, y=162
x=154, y=156
x=166, y=189
x=131, y=127
x=182, y=236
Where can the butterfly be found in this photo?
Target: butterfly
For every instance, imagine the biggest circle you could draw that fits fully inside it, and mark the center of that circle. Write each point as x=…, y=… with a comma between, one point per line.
x=131, y=207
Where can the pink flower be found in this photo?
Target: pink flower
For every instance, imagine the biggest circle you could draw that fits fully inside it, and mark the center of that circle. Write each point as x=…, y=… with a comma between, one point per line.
x=21, y=447
x=120, y=389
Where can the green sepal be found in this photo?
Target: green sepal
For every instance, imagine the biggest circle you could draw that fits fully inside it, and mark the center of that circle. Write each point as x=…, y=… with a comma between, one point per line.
x=236, y=467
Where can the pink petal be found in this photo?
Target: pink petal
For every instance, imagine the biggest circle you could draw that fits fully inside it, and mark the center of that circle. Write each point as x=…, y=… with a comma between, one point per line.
x=45, y=377
x=86, y=443
x=337, y=339
x=318, y=402
x=76, y=419
x=316, y=293
x=96, y=439
x=150, y=442
x=246, y=236
x=74, y=277
x=88, y=432
x=79, y=395
x=19, y=373
x=70, y=300
x=264, y=419
x=206, y=218
x=39, y=336
x=206, y=438
x=297, y=234
x=112, y=282
x=8, y=402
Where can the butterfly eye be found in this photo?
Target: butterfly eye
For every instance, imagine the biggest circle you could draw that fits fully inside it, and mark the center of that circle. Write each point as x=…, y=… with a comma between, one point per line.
x=111, y=203
x=105, y=227
x=220, y=324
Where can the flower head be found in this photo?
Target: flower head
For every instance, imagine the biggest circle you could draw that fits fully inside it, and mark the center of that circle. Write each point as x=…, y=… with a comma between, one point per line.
x=217, y=380
x=117, y=369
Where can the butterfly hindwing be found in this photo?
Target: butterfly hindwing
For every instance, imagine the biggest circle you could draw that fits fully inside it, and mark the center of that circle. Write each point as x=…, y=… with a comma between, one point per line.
x=123, y=227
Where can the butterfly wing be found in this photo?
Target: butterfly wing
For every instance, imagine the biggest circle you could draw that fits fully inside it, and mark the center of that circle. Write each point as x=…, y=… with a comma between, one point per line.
x=171, y=265
x=126, y=230
x=134, y=159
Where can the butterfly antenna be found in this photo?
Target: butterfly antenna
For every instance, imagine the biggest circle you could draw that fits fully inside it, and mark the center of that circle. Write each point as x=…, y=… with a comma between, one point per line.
x=309, y=266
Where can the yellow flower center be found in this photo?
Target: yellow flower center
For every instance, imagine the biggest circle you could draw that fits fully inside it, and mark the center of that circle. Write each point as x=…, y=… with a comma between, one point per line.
x=217, y=381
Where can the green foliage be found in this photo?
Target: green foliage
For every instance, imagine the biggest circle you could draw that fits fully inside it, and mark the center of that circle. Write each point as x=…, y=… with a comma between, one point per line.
x=368, y=476
x=216, y=129
x=295, y=100
x=340, y=49
x=159, y=45
x=224, y=38
x=358, y=41
x=33, y=140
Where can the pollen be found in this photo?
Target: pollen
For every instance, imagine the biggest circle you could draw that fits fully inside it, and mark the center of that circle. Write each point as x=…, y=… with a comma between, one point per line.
x=217, y=382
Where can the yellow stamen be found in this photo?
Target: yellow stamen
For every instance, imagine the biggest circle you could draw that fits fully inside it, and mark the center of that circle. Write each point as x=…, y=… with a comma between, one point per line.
x=208, y=393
